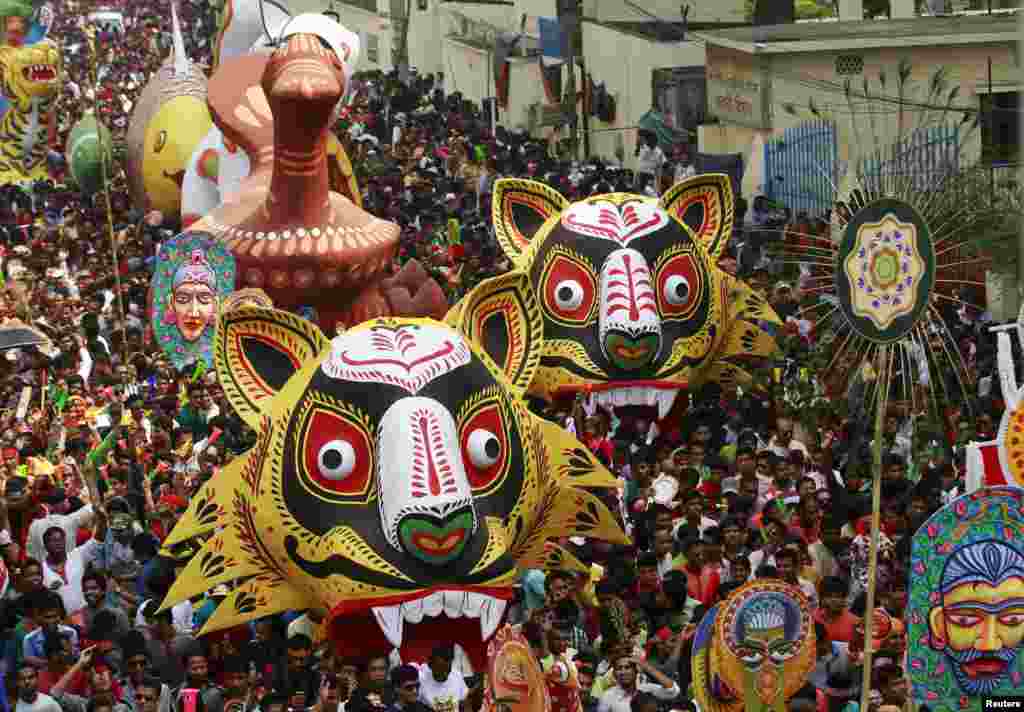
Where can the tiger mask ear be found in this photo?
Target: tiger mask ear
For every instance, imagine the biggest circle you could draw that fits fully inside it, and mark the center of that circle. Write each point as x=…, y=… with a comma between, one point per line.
x=502, y=316
x=7, y=54
x=519, y=209
x=256, y=351
x=705, y=204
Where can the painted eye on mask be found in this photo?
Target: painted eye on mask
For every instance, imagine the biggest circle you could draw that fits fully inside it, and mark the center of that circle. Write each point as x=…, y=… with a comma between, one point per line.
x=568, y=295
x=483, y=448
x=752, y=657
x=680, y=286
x=677, y=290
x=337, y=456
x=783, y=653
x=336, y=460
x=569, y=289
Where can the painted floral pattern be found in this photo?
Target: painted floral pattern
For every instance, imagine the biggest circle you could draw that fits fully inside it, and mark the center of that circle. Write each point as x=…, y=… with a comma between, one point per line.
x=884, y=269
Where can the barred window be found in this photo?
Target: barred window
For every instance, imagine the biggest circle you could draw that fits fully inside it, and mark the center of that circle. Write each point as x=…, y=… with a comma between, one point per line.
x=372, y=48
x=847, y=64
x=368, y=5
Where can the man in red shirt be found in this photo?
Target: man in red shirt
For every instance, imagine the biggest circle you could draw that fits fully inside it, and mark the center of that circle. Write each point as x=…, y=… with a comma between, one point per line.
x=834, y=612
x=702, y=580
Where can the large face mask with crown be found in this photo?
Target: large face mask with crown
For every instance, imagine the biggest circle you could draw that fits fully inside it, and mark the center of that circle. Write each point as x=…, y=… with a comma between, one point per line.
x=755, y=650
x=399, y=482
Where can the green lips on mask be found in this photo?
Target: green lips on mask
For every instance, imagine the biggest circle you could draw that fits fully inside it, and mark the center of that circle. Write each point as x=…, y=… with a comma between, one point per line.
x=631, y=354
x=434, y=542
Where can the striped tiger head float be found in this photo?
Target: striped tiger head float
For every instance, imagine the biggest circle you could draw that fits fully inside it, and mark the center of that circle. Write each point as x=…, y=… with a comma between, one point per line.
x=30, y=72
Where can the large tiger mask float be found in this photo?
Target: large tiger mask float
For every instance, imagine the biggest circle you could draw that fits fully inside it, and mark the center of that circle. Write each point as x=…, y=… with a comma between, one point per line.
x=399, y=482
x=30, y=81
x=635, y=306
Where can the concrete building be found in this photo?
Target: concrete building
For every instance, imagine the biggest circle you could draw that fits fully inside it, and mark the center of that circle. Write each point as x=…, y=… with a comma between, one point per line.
x=640, y=52
x=735, y=86
x=762, y=82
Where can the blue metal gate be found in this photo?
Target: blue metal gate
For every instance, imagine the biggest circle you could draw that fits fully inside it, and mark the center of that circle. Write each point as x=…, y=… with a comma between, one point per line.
x=801, y=168
x=921, y=161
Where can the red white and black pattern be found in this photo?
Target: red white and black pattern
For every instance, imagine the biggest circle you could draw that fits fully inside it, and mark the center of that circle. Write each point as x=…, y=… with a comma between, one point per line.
x=628, y=301
x=420, y=431
x=408, y=356
x=623, y=223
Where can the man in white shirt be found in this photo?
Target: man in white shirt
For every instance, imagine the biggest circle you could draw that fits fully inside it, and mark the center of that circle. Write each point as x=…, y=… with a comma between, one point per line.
x=787, y=564
x=63, y=570
x=782, y=442
x=30, y=699
x=442, y=688
x=70, y=523
x=649, y=160
x=627, y=669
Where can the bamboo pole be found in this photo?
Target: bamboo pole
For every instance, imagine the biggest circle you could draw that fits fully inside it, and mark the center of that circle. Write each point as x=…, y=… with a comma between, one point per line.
x=94, y=51
x=881, y=404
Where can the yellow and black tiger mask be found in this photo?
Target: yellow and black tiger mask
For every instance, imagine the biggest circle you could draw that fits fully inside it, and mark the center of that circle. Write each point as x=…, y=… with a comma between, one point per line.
x=399, y=483
x=635, y=306
x=30, y=72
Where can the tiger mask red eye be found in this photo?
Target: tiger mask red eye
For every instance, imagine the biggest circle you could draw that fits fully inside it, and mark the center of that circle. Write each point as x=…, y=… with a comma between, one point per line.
x=569, y=286
x=485, y=446
x=680, y=286
x=337, y=456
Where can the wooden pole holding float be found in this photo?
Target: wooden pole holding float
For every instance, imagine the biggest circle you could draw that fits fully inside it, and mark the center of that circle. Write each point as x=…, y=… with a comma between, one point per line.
x=881, y=405
x=106, y=196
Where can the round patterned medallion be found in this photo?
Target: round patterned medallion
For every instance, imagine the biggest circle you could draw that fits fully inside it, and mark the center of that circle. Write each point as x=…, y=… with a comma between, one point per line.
x=886, y=270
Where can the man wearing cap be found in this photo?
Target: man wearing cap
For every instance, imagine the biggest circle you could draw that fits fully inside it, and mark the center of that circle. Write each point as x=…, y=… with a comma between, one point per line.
x=115, y=555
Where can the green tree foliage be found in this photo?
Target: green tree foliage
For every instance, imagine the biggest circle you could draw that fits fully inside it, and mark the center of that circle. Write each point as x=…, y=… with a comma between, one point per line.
x=16, y=8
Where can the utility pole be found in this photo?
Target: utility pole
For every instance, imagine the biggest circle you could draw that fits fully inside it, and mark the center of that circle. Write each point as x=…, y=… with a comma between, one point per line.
x=991, y=135
x=586, y=105
x=403, y=42
x=569, y=25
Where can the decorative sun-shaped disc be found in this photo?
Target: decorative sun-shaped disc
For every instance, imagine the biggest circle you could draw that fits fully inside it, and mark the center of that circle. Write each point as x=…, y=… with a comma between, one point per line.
x=886, y=270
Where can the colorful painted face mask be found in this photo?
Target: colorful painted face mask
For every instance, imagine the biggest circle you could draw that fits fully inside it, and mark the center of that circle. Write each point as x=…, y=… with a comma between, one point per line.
x=398, y=482
x=966, y=610
x=515, y=681
x=194, y=273
x=755, y=650
x=635, y=307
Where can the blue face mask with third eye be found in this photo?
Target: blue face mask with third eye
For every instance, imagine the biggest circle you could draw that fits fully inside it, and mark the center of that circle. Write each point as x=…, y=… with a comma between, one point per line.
x=53, y=217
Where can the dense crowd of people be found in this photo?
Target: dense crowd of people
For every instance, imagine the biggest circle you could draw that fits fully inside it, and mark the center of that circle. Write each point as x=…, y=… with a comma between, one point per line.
x=761, y=484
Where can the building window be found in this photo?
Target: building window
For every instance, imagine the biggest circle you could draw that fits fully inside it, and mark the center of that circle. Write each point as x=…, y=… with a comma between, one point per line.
x=372, y=48
x=1000, y=129
x=368, y=5
x=849, y=64
x=680, y=94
